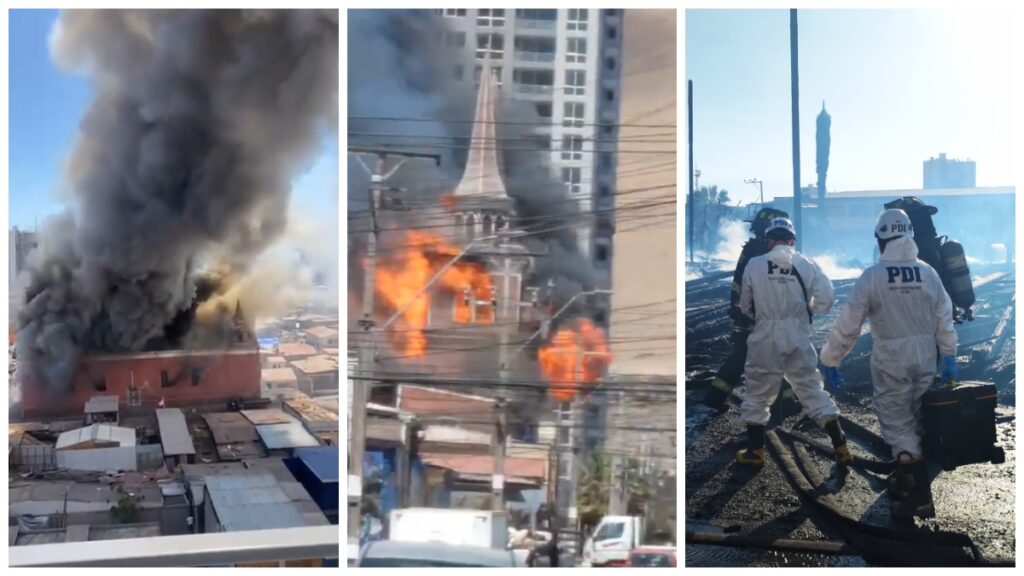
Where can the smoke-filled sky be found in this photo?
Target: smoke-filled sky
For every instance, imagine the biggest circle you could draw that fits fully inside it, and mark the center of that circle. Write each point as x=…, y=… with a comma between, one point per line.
x=46, y=106
x=901, y=86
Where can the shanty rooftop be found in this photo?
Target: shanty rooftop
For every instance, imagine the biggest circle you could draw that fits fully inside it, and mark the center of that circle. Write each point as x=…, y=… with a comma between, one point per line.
x=313, y=415
x=278, y=375
x=316, y=365
x=251, y=502
x=101, y=404
x=284, y=436
x=322, y=332
x=96, y=436
x=295, y=349
x=276, y=359
x=174, y=434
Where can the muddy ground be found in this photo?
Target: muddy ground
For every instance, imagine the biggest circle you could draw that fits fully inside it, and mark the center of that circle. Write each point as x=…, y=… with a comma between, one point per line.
x=976, y=500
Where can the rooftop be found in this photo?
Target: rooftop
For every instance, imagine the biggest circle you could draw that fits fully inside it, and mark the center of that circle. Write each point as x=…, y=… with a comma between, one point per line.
x=267, y=416
x=313, y=415
x=278, y=375
x=322, y=332
x=251, y=502
x=174, y=434
x=316, y=365
x=283, y=436
x=96, y=436
x=288, y=349
x=101, y=404
x=276, y=359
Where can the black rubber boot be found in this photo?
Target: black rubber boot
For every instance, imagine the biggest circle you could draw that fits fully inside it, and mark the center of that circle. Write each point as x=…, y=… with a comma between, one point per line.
x=912, y=495
x=842, y=449
x=753, y=454
x=717, y=395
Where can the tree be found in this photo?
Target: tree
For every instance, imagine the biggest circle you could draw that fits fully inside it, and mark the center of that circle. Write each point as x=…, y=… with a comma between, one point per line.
x=126, y=511
x=593, y=490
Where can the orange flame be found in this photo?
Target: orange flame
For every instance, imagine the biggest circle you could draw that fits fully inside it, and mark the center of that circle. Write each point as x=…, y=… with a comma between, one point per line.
x=577, y=354
x=401, y=277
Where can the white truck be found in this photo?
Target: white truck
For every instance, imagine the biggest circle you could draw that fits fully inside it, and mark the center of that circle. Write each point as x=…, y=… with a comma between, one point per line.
x=457, y=527
x=612, y=541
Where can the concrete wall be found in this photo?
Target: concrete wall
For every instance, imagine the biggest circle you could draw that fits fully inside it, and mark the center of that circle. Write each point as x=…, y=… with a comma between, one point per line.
x=222, y=376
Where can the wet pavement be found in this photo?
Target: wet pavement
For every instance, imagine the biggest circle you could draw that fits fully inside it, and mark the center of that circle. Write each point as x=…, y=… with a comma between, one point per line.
x=976, y=500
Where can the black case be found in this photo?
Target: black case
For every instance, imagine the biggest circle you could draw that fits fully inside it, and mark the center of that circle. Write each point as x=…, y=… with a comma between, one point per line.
x=960, y=425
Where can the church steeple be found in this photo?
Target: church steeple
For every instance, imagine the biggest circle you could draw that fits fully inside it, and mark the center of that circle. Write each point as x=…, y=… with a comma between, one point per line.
x=482, y=176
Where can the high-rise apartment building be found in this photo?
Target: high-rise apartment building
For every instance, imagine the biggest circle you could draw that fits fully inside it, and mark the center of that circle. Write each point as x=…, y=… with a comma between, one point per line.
x=945, y=172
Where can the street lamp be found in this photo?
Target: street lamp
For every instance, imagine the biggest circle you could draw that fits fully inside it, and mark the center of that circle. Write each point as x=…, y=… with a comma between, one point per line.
x=759, y=186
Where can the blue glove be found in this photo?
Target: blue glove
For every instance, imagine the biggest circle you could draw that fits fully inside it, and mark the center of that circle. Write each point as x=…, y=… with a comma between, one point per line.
x=832, y=377
x=949, y=369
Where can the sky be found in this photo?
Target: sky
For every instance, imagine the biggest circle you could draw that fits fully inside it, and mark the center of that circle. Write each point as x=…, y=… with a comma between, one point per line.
x=901, y=86
x=46, y=106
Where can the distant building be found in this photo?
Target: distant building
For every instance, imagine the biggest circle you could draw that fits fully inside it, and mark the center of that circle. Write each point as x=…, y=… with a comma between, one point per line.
x=295, y=350
x=278, y=383
x=177, y=377
x=20, y=244
x=945, y=172
x=321, y=337
x=317, y=375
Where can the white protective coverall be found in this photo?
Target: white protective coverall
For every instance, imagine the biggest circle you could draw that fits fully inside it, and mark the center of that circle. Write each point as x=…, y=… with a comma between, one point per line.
x=910, y=315
x=780, y=343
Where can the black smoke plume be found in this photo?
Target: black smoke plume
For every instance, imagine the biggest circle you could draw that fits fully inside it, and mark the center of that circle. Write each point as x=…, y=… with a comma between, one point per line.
x=184, y=160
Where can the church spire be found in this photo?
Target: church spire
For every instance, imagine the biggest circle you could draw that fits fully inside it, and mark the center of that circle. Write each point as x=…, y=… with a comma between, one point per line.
x=482, y=177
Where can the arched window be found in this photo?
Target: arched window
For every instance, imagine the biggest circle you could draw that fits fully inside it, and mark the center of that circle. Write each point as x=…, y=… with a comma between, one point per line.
x=488, y=225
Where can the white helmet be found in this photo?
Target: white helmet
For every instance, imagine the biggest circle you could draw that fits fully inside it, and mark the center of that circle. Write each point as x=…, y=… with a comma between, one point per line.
x=893, y=223
x=780, y=224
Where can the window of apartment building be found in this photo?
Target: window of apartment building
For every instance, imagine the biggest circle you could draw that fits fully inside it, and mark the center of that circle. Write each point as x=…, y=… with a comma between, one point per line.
x=604, y=162
x=613, y=32
x=455, y=39
x=544, y=110
x=608, y=129
x=609, y=63
x=496, y=70
x=493, y=44
x=537, y=14
x=165, y=380
x=601, y=255
x=455, y=12
x=600, y=317
x=604, y=190
x=575, y=82
x=535, y=49
x=490, y=18
x=604, y=225
x=572, y=177
x=609, y=95
x=460, y=72
x=197, y=375
x=100, y=384
x=577, y=19
x=533, y=77
x=573, y=114
x=576, y=50
x=572, y=147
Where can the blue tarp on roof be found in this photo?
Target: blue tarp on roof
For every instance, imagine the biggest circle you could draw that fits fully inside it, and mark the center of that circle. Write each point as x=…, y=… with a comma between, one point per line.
x=321, y=460
x=268, y=342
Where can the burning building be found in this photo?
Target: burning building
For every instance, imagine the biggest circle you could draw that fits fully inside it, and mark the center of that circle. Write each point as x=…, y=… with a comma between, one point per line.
x=182, y=167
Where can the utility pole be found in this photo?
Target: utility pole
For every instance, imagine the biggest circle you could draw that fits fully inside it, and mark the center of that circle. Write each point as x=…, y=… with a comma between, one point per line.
x=689, y=150
x=498, y=480
x=794, y=67
x=760, y=188
x=361, y=386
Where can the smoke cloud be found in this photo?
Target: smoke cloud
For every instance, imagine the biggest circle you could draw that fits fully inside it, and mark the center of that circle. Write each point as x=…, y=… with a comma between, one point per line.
x=184, y=160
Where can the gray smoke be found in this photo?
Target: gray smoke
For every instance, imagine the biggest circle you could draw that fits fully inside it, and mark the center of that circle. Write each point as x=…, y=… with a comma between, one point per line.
x=400, y=68
x=184, y=160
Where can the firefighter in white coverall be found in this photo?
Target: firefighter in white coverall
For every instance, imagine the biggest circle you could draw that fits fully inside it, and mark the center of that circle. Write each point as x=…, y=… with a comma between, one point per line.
x=911, y=315
x=781, y=291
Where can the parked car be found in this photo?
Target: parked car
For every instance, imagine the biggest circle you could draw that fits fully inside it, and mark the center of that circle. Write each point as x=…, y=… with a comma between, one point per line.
x=394, y=554
x=653, y=557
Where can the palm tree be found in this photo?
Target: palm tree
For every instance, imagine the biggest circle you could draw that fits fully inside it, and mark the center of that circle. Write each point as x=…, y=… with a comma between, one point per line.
x=593, y=490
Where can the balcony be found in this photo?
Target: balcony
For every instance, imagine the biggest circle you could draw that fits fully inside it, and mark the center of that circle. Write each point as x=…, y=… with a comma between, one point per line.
x=541, y=90
x=262, y=547
x=532, y=57
x=533, y=25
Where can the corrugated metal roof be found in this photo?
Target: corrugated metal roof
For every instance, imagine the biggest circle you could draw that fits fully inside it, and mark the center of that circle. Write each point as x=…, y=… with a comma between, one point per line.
x=252, y=502
x=174, y=434
x=292, y=435
x=321, y=460
x=230, y=427
x=267, y=416
x=100, y=433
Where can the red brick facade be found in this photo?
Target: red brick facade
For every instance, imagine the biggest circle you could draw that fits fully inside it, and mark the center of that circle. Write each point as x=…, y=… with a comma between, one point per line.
x=180, y=377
